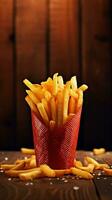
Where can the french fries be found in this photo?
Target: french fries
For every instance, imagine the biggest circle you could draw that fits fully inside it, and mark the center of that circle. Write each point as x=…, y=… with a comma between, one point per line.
x=26, y=169
x=81, y=173
x=28, y=151
x=52, y=100
x=98, y=151
x=96, y=164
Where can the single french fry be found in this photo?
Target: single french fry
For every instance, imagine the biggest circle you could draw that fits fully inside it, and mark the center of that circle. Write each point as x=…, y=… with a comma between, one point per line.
x=32, y=163
x=73, y=93
x=46, y=106
x=83, y=87
x=47, y=171
x=48, y=84
x=60, y=82
x=31, y=86
x=74, y=82
x=32, y=105
x=19, y=166
x=107, y=171
x=81, y=173
x=32, y=96
x=80, y=100
x=47, y=95
x=102, y=166
x=27, y=151
x=78, y=163
x=72, y=105
x=65, y=104
x=43, y=113
x=98, y=151
x=15, y=173
x=53, y=108
x=55, y=84
x=90, y=160
x=88, y=168
x=30, y=175
x=59, y=108
x=7, y=166
x=62, y=172
x=21, y=160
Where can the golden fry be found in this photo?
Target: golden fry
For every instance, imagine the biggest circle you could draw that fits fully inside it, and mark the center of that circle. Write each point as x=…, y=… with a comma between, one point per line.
x=55, y=84
x=30, y=175
x=83, y=87
x=80, y=100
x=15, y=173
x=72, y=105
x=65, y=104
x=60, y=108
x=62, y=172
x=74, y=82
x=99, y=151
x=43, y=113
x=78, y=163
x=47, y=171
x=28, y=151
x=107, y=171
x=81, y=173
x=32, y=96
x=7, y=166
x=53, y=109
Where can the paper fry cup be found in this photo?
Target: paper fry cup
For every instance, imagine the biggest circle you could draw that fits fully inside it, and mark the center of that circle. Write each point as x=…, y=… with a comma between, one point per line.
x=56, y=147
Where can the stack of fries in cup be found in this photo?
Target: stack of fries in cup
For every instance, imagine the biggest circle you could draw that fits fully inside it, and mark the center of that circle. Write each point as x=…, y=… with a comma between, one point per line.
x=26, y=169
x=56, y=111
x=53, y=101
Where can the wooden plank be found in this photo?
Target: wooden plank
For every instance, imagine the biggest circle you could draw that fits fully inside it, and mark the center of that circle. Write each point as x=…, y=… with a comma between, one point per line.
x=31, y=58
x=96, y=63
x=7, y=105
x=46, y=188
x=64, y=38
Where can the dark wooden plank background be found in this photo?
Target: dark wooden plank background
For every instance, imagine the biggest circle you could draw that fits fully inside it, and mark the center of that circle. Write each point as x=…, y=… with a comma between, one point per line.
x=39, y=38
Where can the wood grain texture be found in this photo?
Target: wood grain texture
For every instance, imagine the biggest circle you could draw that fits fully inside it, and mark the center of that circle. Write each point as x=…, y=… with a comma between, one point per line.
x=30, y=56
x=64, y=38
x=6, y=75
x=59, y=189
x=96, y=71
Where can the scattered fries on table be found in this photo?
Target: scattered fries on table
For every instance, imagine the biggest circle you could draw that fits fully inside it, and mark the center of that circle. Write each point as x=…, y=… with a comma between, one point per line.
x=99, y=151
x=26, y=169
x=53, y=101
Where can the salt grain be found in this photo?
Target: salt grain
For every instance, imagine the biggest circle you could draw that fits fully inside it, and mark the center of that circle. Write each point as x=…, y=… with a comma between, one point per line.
x=27, y=184
x=75, y=188
x=1, y=171
x=31, y=183
x=6, y=158
x=105, y=178
x=65, y=181
x=58, y=178
x=98, y=177
x=51, y=183
x=99, y=174
x=9, y=179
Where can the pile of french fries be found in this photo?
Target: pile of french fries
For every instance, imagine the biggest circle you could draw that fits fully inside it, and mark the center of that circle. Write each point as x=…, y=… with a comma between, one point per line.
x=53, y=101
x=26, y=169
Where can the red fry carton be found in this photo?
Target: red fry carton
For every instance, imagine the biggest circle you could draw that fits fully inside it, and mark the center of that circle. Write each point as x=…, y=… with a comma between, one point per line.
x=56, y=147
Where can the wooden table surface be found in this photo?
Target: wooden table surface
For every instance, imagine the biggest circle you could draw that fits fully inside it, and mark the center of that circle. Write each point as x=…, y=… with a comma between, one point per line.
x=65, y=188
